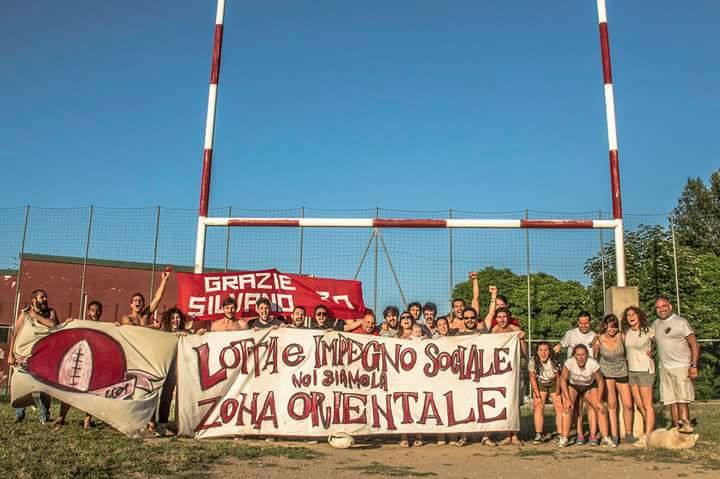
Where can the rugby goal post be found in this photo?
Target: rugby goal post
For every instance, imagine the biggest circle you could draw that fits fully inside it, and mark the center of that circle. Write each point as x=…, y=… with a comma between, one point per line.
x=616, y=224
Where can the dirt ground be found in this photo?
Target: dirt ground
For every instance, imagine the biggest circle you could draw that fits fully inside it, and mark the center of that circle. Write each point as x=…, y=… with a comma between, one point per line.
x=474, y=460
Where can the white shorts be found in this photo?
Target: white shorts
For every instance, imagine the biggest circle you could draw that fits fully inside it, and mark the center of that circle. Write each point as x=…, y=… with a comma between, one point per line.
x=676, y=386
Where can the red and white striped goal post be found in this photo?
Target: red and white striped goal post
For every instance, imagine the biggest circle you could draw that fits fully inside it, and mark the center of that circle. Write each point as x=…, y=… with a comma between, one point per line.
x=616, y=223
x=416, y=223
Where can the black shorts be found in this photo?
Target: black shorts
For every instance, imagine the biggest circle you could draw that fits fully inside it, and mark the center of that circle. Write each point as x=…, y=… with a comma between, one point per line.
x=622, y=380
x=583, y=389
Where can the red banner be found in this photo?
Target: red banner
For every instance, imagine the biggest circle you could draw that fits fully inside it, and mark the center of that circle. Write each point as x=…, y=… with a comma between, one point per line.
x=201, y=295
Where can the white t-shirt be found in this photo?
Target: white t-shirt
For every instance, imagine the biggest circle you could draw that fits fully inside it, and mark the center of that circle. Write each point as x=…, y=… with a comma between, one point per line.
x=547, y=373
x=581, y=376
x=670, y=337
x=637, y=347
x=574, y=337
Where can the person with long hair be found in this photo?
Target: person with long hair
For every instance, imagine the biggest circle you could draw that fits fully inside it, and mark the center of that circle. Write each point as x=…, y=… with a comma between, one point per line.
x=405, y=326
x=639, y=337
x=609, y=348
x=581, y=379
x=544, y=371
x=171, y=321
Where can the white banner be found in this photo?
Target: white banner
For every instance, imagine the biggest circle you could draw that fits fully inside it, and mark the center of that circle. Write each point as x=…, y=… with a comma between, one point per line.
x=113, y=372
x=293, y=382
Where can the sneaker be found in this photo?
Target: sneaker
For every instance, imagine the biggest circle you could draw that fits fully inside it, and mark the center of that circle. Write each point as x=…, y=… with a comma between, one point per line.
x=580, y=440
x=538, y=438
x=630, y=439
x=563, y=442
x=616, y=441
x=642, y=442
x=594, y=441
x=607, y=442
x=571, y=440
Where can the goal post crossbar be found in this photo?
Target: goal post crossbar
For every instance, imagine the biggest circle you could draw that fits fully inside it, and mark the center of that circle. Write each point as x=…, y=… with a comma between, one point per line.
x=417, y=223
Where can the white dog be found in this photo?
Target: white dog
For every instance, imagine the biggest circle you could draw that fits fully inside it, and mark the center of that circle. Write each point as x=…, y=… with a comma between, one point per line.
x=671, y=439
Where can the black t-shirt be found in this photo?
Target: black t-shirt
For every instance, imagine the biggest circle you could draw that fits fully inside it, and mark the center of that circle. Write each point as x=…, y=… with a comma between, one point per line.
x=334, y=324
x=257, y=323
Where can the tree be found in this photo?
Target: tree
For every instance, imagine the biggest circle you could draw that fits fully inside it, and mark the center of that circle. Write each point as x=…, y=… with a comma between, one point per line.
x=555, y=303
x=697, y=215
x=650, y=267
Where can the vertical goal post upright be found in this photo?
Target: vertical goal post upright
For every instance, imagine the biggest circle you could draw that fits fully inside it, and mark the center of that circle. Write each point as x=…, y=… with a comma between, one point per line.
x=616, y=224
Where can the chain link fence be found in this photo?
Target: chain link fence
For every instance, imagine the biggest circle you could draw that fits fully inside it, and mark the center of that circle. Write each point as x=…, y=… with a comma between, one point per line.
x=548, y=274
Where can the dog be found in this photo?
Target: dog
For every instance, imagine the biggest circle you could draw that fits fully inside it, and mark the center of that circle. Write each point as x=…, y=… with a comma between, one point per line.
x=671, y=439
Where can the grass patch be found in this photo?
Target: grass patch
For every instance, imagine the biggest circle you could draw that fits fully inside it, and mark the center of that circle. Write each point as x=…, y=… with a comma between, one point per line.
x=31, y=450
x=535, y=452
x=378, y=469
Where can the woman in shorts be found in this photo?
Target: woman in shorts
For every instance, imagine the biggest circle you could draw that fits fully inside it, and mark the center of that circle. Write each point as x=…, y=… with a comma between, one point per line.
x=609, y=348
x=639, y=337
x=544, y=372
x=581, y=379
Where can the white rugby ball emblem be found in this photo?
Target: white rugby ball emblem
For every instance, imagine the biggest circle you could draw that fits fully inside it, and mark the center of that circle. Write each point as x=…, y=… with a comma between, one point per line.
x=76, y=367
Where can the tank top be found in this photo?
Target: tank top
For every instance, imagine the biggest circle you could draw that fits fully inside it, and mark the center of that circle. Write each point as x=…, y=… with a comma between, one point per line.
x=612, y=361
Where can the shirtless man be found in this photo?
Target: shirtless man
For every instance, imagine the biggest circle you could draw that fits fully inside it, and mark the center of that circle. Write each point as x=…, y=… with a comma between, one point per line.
x=43, y=318
x=456, y=320
x=141, y=315
x=502, y=317
x=229, y=322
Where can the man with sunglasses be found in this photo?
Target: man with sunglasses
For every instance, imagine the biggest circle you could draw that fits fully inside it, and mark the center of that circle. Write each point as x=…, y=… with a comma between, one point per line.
x=322, y=320
x=471, y=323
x=679, y=353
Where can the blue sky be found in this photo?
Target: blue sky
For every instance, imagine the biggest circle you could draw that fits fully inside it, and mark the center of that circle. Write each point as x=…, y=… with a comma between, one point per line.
x=421, y=105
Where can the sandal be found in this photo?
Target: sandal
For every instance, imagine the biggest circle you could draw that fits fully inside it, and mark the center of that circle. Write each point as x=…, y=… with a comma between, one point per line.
x=461, y=442
x=404, y=443
x=505, y=442
x=418, y=443
x=515, y=441
x=486, y=441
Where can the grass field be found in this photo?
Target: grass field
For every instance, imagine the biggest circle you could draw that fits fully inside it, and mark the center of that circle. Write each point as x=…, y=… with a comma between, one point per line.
x=31, y=450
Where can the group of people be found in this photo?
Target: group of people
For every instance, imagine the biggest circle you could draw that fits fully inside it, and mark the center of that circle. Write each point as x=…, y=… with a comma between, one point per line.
x=600, y=367
x=618, y=361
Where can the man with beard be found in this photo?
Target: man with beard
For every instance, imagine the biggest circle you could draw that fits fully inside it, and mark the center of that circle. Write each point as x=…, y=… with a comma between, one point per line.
x=229, y=321
x=471, y=324
x=141, y=315
x=390, y=326
x=297, y=319
x=39, y=318
x=429, y=312
x=679, y=354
